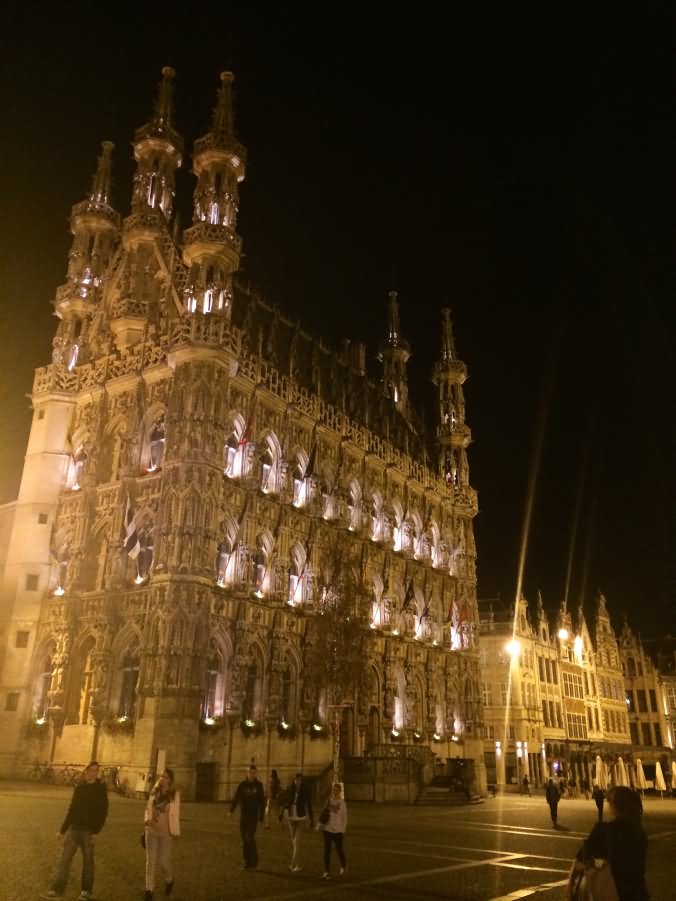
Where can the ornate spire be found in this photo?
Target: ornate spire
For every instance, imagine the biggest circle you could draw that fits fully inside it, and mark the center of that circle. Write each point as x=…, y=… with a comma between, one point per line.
x=447, y=341
x=163, y=116
x=157, y=148
x=223, y=120
x=212, y=246
x=394, y=354
x=101, y=182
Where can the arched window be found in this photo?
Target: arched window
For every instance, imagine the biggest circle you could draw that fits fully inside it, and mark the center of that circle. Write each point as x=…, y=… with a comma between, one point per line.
x=156, y=443
x=213, y=700
x=61, y=573
x=79, y=464
x=354, y=507
x=268, y=467
x=377, y=518
x=43, y=685
x=84, y=683
x=230, y=455
x=252, y=689
x=259, y=562
x=287, y=707
x=298, y=479
x=225, y=551
x=631, y=664
x=144, y=560
x=129, y=685
x=293, y=584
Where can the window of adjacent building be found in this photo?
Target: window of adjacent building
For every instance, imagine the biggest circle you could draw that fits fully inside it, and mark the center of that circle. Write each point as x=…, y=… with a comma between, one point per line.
x=642, y=705
x=12, y=701
x=630, y=701
x=577, y=727
x=590, y=721
x=43, y=519
x=548, y=670
x=559, y=716
x=572, y=685
x=552, y=714
x=511, y=733
x=503, y=694
x=486, y=694
x=597, y=721
x=658, y=734
x=671, y=696
x=646, y=738
x=32, y=581
x=21, y=640
x=633, y=731
x=541, y=668
x=555, y=674
x=545, y=714
x=41, y=414
x=653, y=700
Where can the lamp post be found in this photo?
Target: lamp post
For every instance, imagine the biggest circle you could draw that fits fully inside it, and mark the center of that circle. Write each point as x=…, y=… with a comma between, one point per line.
x=335, y=729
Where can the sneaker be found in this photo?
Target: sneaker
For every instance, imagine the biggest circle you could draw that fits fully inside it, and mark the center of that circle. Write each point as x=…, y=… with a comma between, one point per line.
x=46, y=896
x=84, y=896
x=343, y=870
x=326, y=875
x=295, y=869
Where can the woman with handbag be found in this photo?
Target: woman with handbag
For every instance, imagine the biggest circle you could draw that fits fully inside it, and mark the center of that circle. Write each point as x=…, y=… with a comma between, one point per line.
x=162, y=827
x=611, y=864
x=333, y=822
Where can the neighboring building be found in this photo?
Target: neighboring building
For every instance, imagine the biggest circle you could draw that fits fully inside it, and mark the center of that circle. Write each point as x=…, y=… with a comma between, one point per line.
x=581, y=709
x=646, y=705
x=196, y=465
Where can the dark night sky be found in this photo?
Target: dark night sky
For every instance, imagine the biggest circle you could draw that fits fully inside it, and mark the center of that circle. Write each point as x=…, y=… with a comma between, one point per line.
x=514, y=170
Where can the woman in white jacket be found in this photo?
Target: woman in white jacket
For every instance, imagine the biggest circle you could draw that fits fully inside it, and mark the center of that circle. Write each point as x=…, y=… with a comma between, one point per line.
x=334, y=829
x=162, y=826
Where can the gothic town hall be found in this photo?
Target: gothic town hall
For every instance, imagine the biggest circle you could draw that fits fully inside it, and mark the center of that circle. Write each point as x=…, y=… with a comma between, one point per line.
x=205, y=485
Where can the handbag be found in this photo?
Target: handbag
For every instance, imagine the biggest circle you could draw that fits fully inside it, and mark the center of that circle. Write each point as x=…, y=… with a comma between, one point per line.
x=594, y=883
x=325, y=816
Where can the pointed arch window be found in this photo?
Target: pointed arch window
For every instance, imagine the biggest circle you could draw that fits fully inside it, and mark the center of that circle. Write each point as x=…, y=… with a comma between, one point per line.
x=157, y=439
x=259, y=563
x=79, y=465
x=213, y=700
x=85, y=683
x=61, y=574
x=252, y=690
x=288, y=693
x=144, y=560
x=267, y=463
x=129, y=685
x=225, y=552
x=43, y=686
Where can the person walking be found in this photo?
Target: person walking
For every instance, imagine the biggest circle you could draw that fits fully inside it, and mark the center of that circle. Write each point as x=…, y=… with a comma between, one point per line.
x=552, y=795
x=334, y=829
x=525, y=786
x=298, y=812
x=250, y=798
x=84, y=820
x=622, y=843
x=161, y=827
x=272, y=800
x=599, y=797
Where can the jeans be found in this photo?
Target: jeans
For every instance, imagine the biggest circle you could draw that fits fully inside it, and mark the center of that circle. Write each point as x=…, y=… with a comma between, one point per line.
x=158, y=854
x=333, y=838
x=247, y=828
x=74, y=839
x=296, y=828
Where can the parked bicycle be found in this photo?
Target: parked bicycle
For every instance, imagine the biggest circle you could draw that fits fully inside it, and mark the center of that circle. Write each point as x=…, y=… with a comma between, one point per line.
x=41, y=772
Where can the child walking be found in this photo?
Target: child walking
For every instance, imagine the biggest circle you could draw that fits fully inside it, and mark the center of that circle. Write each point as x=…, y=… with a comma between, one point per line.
x=334, y=829
x=162, y=826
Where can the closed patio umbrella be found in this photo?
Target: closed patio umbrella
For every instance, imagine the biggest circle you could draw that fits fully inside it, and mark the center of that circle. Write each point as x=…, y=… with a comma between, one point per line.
x=641, y=784
x=622, y=778
x=660, y=784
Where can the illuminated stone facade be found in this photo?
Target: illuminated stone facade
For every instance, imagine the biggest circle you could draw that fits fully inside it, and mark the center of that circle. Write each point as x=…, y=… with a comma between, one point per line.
x=555, y=700
x=195, y=462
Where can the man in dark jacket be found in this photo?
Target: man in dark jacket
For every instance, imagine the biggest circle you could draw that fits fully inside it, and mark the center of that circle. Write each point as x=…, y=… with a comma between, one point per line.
x=84, y=820
x=251, y=800
x=552, y=795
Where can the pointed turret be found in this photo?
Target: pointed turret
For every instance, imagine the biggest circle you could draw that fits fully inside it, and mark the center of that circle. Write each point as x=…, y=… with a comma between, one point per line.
x=158, y=150
x=212, y=246
x=394, y=354
x=454, y=436
x=95, y=227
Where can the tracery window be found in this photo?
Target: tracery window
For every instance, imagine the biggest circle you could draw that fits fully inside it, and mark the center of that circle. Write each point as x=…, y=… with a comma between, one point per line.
x=223, y=557
x=79, y=464
x=43, y=685
x=129, y=685
x=144, y=561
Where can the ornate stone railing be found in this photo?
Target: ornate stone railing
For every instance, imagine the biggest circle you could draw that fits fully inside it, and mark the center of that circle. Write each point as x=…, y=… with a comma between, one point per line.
x=208, y=329
x=213, y=234
x=219, y=141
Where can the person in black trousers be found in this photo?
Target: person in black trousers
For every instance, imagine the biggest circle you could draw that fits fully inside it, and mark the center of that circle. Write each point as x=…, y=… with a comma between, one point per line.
x=599, y=797
x=84, y=820
x=250, y=798
x=552, y=795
